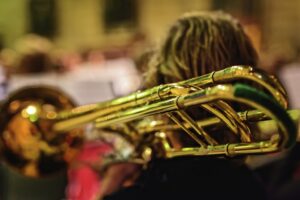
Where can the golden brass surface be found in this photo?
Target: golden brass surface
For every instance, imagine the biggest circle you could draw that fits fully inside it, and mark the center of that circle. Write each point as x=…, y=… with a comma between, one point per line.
x=39, y=125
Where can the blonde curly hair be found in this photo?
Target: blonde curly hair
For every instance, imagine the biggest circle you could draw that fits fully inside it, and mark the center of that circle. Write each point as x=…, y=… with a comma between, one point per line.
x=198, y=43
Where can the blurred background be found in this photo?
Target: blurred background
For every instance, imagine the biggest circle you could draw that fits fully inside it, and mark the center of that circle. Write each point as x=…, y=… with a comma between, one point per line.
x=92, y=49
x=80, y=24
x=71, y=34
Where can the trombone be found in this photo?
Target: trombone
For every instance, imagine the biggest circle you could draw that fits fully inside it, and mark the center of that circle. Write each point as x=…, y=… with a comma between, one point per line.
x=84, y=114
x=52, y=124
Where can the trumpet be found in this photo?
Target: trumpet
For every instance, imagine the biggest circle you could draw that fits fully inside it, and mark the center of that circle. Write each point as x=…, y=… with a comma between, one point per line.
x=41, y=125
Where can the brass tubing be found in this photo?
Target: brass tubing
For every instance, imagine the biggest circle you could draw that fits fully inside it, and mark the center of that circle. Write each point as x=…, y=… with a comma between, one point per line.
x=257, y=118
x=230, y=113
x=227, y=149
x=187, y=130
x=270, y=83
x=84, y=114
x=198, y=129
x=266, y=127
x=207, y=95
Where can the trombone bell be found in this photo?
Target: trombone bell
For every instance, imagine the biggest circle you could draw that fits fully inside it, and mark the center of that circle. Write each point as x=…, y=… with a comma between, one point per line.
x=27, y=141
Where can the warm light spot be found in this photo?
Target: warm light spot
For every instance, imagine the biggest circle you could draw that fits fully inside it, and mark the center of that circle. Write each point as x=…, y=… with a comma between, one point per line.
x=31, y=110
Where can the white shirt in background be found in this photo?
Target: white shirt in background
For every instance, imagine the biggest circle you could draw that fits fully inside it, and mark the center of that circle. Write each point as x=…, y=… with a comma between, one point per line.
x=88, y=83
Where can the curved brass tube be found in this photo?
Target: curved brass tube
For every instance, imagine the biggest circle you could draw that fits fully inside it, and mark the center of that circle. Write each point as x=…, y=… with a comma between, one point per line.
x=270, y=83
x=273, y=144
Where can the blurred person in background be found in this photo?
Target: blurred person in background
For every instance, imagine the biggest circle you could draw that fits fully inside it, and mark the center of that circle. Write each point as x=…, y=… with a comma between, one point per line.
x=196, y=44
x=123, y=74
x=84, y=175
x=33, y=64
x=100, y=77
x=84, y=179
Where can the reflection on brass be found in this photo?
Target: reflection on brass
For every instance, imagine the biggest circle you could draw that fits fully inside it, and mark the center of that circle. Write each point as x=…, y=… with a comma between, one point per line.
x=39, y=134
x=28, y=141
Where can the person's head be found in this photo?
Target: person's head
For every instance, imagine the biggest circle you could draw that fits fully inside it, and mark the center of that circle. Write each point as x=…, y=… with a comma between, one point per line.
x=199, y=43
x=33, y=53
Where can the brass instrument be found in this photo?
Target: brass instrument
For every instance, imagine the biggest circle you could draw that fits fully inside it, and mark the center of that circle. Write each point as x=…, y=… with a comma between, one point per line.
x=85, y=114
x=50, y=126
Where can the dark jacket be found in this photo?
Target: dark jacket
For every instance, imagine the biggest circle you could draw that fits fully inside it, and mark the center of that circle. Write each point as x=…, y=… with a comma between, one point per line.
x=193, y=178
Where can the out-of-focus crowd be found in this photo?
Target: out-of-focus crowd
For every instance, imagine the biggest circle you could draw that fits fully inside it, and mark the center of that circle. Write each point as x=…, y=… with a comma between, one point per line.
x=88, y=76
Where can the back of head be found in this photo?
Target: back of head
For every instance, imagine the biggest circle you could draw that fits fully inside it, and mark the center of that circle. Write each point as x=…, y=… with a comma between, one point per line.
x=196, y=44
x=199, y=43
x=34, y=55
